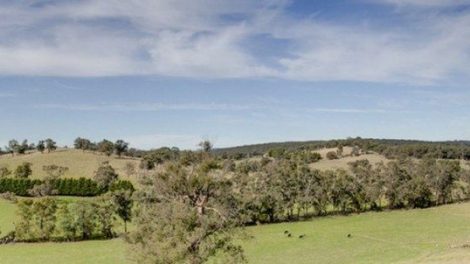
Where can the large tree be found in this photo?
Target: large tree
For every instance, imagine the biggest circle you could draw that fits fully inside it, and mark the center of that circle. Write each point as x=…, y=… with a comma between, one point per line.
x=186, y=215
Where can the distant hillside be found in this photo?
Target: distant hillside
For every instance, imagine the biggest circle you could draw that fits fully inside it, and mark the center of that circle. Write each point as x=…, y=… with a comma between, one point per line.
x=388, y=147
x=80, y=164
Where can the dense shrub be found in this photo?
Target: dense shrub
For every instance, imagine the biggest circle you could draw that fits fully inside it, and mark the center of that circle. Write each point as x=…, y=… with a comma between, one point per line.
x=69, y=186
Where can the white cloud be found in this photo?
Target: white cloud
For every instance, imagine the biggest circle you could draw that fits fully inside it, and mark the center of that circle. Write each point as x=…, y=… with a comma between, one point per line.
x=426, y=3
x=208, y=39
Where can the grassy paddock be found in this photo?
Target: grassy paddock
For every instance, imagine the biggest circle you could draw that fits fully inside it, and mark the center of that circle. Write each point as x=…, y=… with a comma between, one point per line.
x=80, y=164
x=434, y=235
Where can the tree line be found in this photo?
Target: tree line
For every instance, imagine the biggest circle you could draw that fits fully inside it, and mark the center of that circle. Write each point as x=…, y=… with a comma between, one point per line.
x=280, y=190
x=391, y=148
x=16, y=148
x=120, y=147
x=49, y=219
x=104, y=179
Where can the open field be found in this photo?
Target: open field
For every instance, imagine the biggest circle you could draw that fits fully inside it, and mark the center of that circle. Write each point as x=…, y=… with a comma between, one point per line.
x=7, y=216
x=80, y=164
x=433, y=235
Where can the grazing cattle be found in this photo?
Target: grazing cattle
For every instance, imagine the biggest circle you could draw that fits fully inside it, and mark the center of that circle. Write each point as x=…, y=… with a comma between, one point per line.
x=289, y=235
x=302, y=236
x=349, y=235
x=286, y=232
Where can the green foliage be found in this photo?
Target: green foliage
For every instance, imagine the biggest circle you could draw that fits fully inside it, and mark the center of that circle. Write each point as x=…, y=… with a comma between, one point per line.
x=41, y=146
x=5, y=172
x=185, y=216
x=123, y=203
x=83, y=144
x=69, y=187
x=24, y=170
x=105, y=175
x=51, y=145
x=120, y=147
x=46, y=219
x=106, y=147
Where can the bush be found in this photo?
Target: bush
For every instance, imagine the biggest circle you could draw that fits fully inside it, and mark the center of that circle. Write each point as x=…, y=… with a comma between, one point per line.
x=332, y=155
x=9, y=196
x=24, y=170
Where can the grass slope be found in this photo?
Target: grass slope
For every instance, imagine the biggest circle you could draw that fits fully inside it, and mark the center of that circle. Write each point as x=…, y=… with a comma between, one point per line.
x=7, y=216
x=80, y=164
x=415, y=236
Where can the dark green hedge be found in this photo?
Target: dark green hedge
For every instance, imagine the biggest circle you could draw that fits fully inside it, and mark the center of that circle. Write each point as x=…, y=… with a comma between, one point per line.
x=17, y=186
x=70, y=187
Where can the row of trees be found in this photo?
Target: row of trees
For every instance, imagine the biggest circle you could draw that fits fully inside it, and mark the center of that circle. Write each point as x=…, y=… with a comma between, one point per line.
x=16, y=148
x=120, y=147
x=284, y=190
x=69, y=187
x=105, y=178
x=48, y=219
x=389, y=147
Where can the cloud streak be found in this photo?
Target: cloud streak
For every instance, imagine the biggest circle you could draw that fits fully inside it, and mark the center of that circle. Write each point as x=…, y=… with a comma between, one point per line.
x=214, y=39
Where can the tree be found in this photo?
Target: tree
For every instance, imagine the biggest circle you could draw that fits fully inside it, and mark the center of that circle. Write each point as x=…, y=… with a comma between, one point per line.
x=185, y=216
x=106, y=147
x=24, y=170
x=44, y=218
x=82, y=143
x=17, y=148
x=123, y=203
x=105, y=175
x=50, y=145
x=120, y=147
x=4, y=172
x=41, y=146
x=206, y=146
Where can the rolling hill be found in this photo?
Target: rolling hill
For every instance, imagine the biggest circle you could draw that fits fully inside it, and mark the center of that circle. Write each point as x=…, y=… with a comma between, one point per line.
x=80, y=164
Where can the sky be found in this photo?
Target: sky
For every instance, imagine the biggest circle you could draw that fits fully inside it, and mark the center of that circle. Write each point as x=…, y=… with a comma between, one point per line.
x=173, y=72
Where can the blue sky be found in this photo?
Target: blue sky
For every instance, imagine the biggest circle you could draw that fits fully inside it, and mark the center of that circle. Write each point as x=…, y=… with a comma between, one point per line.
x=174, y=72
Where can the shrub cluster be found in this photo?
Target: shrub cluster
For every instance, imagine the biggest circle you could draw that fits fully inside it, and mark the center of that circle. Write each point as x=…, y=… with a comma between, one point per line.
x=47, y=219
x=69, y=186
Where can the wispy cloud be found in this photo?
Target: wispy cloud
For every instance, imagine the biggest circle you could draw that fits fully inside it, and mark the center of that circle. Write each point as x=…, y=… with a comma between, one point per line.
x=148, y=107
x=208, y=39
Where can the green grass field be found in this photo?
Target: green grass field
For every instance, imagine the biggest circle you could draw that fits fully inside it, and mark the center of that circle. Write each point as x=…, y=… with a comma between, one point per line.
x=433, y=235
x=80, y=164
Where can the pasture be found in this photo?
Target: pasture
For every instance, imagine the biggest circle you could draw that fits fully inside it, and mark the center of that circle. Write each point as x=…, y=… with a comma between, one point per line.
x=80, y=164
x=436, y=235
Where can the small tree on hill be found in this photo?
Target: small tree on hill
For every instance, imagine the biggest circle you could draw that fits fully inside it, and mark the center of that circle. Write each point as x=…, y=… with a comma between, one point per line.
x=82, y=143
x=50, y=145
x=106, y=147
x=24, y=170
x=120, y=147
x=41, y=146
x=105, y=175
